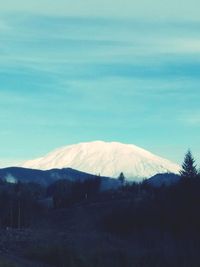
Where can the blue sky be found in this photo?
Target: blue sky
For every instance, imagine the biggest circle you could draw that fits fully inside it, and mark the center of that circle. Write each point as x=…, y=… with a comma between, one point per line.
x=91, y=70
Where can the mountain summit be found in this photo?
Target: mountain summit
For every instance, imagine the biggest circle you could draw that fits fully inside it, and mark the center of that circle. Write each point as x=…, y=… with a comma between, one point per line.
x=105, y=159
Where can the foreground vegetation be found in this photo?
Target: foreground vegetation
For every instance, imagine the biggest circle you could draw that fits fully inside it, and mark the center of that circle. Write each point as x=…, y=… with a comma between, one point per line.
x=137, y=225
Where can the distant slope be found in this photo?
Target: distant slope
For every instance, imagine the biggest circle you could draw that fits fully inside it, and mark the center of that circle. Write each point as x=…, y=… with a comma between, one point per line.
x=106, y=159
x=45, y=178
x=163, y=179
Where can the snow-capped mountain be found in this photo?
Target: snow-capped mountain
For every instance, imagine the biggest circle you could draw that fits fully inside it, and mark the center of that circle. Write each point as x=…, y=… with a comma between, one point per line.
x=105, y=159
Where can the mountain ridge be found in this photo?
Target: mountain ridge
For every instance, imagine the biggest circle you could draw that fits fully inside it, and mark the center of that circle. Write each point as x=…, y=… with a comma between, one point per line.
x=47, y=177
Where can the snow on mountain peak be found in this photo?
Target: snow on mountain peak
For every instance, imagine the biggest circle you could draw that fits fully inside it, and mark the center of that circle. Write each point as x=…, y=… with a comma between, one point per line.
x=107, y=159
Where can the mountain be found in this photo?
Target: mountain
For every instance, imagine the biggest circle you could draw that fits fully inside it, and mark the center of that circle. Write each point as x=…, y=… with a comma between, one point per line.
x=165, y=179
x=106, y=159
x=45, y=178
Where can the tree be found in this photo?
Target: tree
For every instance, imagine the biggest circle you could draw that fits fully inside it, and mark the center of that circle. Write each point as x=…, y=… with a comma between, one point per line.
x=121, y=178
x=189, y=169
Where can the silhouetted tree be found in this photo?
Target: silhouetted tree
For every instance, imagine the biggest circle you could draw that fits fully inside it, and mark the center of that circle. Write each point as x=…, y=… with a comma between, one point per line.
x=189, y=169
x=121, y=178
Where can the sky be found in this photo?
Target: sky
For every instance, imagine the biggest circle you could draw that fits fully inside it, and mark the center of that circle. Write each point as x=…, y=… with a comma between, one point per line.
x=90, y=70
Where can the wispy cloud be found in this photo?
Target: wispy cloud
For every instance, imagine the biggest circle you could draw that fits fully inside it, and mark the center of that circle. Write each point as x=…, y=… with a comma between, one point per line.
x=64, y=76
x=121, y=8
x=191, y=118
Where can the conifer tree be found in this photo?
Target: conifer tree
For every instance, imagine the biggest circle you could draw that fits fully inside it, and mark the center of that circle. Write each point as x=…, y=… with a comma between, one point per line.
x=189, y=169
x=121, y=178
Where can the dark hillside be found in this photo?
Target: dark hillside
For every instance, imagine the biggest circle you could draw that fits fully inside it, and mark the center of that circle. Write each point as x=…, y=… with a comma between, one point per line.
x=47, y=177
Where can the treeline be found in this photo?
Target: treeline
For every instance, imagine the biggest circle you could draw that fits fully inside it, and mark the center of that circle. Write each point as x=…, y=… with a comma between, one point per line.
x=65, y=192
x=174, y=208
x=19, y=204
x=22, y=203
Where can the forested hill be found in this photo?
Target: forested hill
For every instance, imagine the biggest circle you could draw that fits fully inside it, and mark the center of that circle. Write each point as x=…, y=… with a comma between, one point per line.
x=45, y=178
